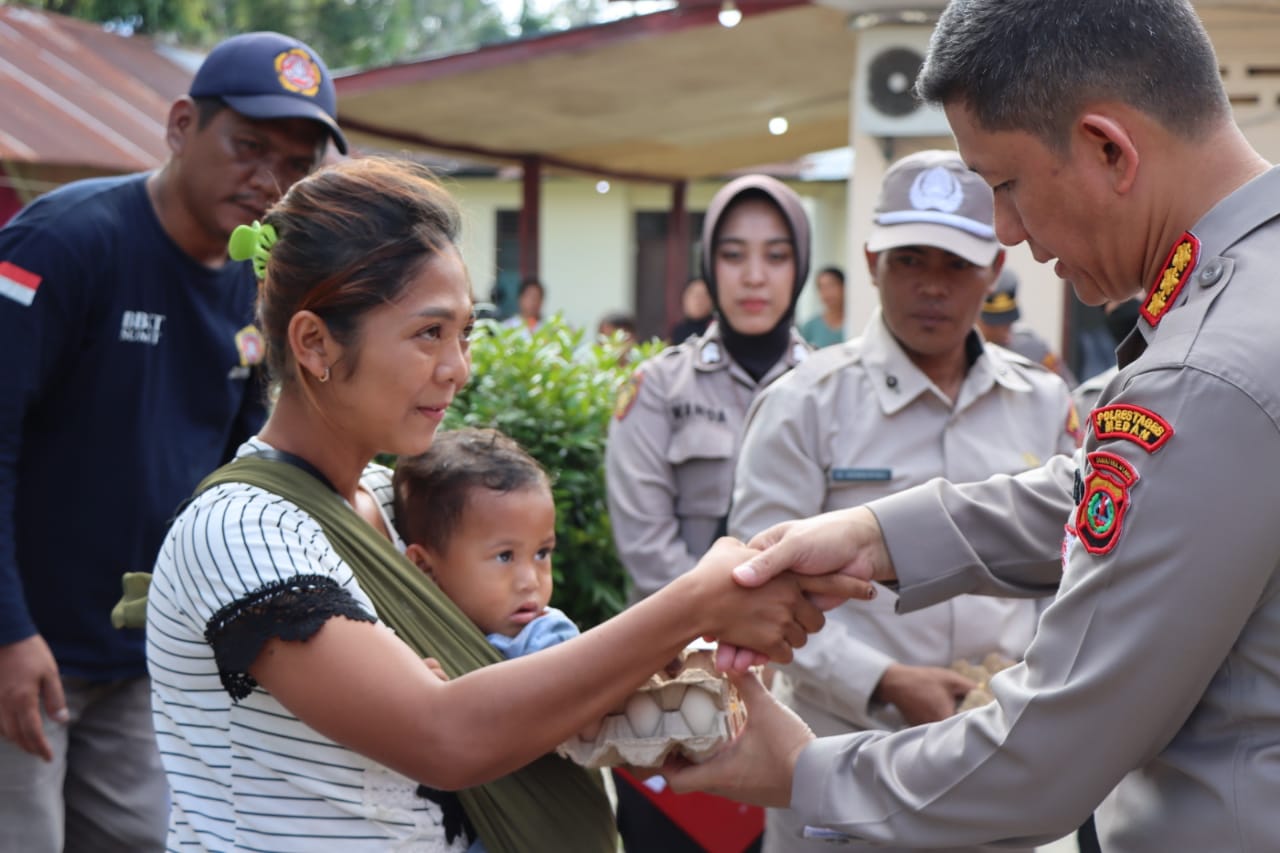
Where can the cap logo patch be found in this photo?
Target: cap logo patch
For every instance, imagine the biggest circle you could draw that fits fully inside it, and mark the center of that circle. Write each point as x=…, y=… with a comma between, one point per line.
x=1000, y=303
x=1169, y=283
x=1100, y=515
x=1131, y=423
x=298, y=72
x=936, y=189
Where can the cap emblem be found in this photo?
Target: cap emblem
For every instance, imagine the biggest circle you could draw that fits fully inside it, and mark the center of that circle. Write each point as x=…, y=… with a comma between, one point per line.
x=936, y=189
x=298, y=72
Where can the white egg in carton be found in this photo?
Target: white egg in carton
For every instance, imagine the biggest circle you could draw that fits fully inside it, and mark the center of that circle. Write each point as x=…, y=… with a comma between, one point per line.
x=687, y=708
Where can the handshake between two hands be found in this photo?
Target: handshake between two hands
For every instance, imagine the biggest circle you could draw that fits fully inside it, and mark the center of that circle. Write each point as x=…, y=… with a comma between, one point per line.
x=831, y=557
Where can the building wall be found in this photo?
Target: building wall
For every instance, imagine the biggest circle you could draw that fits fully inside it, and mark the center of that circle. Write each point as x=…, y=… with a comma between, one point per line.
x=587, y=241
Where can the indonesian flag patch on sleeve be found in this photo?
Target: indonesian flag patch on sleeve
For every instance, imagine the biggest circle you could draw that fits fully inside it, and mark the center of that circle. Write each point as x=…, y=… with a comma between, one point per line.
x=18, y=284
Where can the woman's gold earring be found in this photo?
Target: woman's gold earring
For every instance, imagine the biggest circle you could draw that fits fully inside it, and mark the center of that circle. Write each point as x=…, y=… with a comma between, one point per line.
x=325, y=378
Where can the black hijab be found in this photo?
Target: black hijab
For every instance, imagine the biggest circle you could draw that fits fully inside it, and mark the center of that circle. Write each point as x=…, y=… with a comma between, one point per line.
x=756, y=353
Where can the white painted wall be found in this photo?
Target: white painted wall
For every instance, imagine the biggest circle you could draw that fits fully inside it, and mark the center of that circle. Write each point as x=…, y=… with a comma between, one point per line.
x=587, y=245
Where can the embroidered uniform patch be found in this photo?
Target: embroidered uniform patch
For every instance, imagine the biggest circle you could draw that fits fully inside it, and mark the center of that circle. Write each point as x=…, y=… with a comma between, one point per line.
x=298, y=72
x=250, y=345
x=1132, y=423
x=1170, y=281
x=627, y=396
x=1100, y=515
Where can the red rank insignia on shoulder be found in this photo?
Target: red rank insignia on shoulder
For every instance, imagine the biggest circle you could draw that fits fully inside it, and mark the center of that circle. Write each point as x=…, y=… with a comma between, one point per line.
x=627, y=396
x=1100, y=515
x=1073, y=424
x=1169, y=283
x=1131, y=423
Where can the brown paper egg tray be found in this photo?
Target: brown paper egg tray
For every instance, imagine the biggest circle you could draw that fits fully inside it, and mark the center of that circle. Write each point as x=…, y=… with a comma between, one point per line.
x=688, y=708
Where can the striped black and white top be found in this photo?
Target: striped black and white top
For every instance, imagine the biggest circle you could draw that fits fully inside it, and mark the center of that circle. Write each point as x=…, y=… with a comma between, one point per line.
x=246, y=774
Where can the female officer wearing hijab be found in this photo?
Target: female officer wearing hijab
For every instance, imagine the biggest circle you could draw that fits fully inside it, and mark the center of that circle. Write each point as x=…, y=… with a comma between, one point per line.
x=674, y=439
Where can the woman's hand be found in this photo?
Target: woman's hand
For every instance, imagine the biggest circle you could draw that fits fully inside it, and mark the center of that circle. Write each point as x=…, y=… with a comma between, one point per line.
x=772, y=619
x=843, y=544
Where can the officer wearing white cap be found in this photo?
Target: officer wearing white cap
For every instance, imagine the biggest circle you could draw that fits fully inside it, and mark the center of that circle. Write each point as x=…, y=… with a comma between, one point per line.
x=918, y=395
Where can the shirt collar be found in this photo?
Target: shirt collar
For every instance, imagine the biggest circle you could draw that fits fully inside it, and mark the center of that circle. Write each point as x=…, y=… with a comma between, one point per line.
x=897, y=382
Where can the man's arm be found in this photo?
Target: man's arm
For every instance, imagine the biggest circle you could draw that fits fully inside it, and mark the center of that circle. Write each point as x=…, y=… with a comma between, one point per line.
x=1091, y=701
x=1001, y=537
x=40, y=318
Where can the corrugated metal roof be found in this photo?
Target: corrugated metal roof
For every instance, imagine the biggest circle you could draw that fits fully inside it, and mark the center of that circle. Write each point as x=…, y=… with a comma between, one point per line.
x=72, y=94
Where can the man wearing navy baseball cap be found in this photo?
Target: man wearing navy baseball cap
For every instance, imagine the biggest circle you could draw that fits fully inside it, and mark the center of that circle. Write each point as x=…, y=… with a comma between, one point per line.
x=270, y=76
x=133, y=373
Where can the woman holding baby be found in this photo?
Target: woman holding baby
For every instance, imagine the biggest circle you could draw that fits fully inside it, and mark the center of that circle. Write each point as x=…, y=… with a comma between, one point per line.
x=286, y=632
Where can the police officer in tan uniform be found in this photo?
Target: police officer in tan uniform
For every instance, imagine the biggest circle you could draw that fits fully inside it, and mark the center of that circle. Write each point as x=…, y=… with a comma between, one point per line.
x=675, y=435
x=1108, y=137
x=918, y=395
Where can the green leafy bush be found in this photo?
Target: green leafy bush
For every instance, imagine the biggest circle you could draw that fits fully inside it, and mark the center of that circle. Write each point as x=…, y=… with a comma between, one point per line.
x=553, y=391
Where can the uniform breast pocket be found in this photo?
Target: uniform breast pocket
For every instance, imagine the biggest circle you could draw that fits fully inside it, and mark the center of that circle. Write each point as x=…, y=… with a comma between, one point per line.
x=701, y=457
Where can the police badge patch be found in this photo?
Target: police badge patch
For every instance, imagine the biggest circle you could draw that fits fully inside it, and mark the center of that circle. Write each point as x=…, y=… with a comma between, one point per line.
x=1100, y=514
x=627, y=396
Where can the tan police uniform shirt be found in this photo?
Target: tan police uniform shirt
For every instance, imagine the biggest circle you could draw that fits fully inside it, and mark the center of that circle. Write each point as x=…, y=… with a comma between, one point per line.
x=1156, y=670
x=859, y=421
x=671, y=448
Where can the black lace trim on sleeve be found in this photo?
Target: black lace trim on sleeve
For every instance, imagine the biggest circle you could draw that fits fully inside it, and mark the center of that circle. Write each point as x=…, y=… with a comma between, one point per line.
x=454, y=816
x=291, y=609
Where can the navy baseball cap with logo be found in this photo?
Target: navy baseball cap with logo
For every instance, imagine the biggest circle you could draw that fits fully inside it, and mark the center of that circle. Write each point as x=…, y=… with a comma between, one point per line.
x=268, y=75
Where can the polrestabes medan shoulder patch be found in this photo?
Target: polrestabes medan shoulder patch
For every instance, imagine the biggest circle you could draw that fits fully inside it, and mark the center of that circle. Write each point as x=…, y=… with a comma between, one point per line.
x=1106, y=499
x=1132, y=423
x=1169, y=283
x=627, y=396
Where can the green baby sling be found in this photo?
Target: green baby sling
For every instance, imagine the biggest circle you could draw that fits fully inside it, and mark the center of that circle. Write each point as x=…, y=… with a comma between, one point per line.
x=550, y=805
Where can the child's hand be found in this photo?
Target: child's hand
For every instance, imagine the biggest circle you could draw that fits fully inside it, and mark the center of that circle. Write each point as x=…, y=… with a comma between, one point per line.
x=435, y=667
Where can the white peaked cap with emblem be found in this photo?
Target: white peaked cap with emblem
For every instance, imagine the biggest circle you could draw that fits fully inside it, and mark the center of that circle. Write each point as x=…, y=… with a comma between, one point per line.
x=931, y=198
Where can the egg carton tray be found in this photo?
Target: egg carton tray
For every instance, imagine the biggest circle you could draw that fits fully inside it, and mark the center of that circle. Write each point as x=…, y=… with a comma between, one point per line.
x=688, y=708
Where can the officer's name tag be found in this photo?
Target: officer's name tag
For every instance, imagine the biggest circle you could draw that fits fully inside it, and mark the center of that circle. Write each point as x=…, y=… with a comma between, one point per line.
x=861, y=475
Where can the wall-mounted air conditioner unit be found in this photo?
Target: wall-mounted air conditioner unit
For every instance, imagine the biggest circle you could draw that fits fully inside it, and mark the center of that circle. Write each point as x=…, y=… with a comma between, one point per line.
x=889, y=59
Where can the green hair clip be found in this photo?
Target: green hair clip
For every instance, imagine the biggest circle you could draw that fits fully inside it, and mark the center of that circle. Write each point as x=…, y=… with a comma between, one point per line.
x=253, y=242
